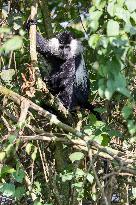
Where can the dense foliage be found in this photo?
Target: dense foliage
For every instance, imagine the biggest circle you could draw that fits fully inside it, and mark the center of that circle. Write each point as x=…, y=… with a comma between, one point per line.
x=58, y=159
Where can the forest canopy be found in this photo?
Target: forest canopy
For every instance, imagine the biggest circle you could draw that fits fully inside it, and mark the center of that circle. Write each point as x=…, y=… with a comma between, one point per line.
x=48, y=154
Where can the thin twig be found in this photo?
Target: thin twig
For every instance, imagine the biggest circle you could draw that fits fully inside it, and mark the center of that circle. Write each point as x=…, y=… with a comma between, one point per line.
x=96, y=177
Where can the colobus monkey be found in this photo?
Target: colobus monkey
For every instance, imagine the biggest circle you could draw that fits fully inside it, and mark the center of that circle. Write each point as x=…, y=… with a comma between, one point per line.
x=68, y=78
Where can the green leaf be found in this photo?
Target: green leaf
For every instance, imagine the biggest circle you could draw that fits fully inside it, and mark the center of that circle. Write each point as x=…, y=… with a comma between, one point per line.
x=88, y=130
x=120, y=83
x=78, y=185
x=19, y=175
x=103, y=71
x=11, y=138
x=90, y=178
x=127, y=111
x=6, y=170
x=16, y=26
x=108, y=94
x=48, y=204
x=123, y=14
x=76, y=156
x=120, y=2
x=130, y=29
x=94, y=40
x=100, y=4
x=37, y=202
x=34, y=154
x=112, y=28
x=79, y=173
x=28, y=148
x=67, y=177
x=2, y=156
x=104, y=42
x=111, y=8
x=134, y=192
x=101, y=87
x=19, y=192
x=94, y=25
x=12, y=44
x=7, y=189
x=131, y=127
x=131, y=5
x=120, y=42
x=37, y=188
x=114, y=67
x=114, y=133
x=98, y=139
x=95, y=16
x=124, y=91
x=9, y=149
x=7, y=75
x=133, y=16
x=106, y=139
x=101, y=91
x=110, y=88
x=4, y=30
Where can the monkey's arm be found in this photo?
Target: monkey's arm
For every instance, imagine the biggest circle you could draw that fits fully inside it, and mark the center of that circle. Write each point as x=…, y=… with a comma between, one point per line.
x=44, y=46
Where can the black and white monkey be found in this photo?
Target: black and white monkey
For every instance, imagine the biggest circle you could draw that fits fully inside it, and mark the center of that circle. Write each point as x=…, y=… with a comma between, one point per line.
x=68, y=78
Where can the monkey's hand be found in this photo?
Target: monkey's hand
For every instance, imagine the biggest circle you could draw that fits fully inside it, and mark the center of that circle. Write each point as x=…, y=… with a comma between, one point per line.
x=29, y=23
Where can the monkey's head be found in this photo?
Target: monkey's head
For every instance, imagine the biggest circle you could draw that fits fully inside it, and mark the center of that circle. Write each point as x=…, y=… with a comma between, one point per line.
x=66, y=45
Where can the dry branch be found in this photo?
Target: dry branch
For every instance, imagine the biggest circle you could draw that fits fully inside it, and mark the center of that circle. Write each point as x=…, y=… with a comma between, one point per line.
x=106, y=152
x=24, y=111
x=100, y=151
x=52, y=118
x=32, y=34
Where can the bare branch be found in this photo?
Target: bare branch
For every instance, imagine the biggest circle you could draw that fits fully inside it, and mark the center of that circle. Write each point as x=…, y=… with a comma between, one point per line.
x=32, y=33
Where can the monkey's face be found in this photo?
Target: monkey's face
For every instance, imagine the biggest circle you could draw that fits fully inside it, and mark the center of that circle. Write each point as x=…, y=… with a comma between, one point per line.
x=64, y=50
x=65, y=46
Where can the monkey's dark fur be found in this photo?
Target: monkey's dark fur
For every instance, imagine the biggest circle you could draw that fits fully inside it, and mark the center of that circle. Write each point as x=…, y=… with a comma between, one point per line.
x=68, y=78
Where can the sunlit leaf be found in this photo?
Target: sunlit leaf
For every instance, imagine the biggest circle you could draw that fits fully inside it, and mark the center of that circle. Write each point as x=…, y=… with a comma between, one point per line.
x=94, y=40
x=99, y=4
x=131, y=127
x=111, y=8
x=123, y=14
x=12, y=44
x=2, y=156
x=90, y=178
x=4, y=30
x=131, y=5
x=112, y=28
x=34, y=154
x=76, y=156
x=37, y=202
x=67, y=177
x=134, y=192
x=79, y=173
x=95, y=15
x=28, y=148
